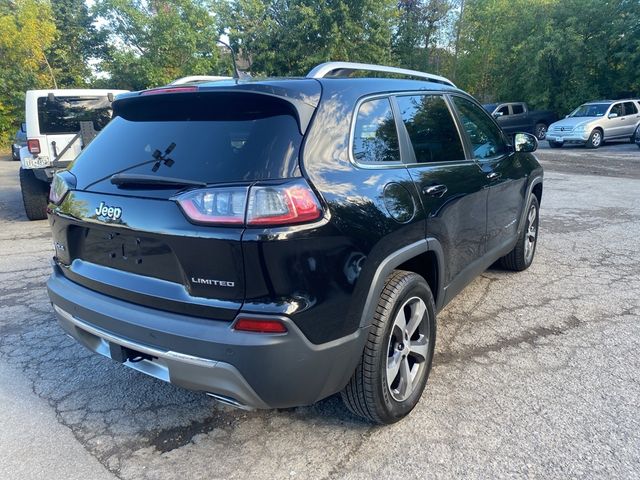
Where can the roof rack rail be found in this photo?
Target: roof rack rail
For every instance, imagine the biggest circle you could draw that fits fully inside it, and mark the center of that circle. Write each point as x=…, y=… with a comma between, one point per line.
x=334, y=69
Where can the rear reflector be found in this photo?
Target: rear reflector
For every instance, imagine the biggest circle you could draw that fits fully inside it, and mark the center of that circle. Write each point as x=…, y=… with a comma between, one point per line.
x=33, y=145
x=158, y=91
x=260, y=325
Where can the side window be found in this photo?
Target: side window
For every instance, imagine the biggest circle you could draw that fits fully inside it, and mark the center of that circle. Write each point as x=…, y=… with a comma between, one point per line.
x=486, y=137
x=504, y=110
x=431, y=129
x=375, y=138
x=517, y=108
x=630, y=108
x=617, y=108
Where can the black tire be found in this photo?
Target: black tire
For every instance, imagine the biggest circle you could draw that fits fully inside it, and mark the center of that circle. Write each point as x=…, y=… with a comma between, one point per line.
x=521, y=258
x=540, y=131
x=635, y=138
x=369, y=394
x=596, y=139
x=554, y=144
x=34, y=195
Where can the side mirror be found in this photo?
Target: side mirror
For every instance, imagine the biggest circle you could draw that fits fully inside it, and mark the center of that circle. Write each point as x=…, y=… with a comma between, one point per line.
x=566, y=116
x=498, y=114
x=23, y=127
x=525, y=142
x=613, y=115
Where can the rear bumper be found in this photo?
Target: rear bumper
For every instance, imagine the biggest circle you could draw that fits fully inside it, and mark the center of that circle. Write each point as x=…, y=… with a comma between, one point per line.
x=246, y=370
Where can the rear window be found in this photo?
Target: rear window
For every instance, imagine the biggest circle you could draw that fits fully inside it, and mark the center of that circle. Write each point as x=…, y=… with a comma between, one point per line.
x=212, y=138
x=64, y=114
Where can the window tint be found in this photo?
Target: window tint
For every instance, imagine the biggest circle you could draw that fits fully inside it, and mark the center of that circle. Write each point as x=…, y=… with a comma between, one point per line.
x=517, y=108
x=630, y=108
x=503, y=110
x=431, y=129
x=64, y=114
x=235, y=138
x=375, y=139
x=486, y=138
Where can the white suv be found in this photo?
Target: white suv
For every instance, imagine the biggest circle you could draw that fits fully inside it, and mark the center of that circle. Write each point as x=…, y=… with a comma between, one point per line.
x=59, y=124
x=594, y=122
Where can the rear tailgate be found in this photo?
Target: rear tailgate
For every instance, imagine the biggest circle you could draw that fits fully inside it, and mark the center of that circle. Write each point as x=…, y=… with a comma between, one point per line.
x=133, y=241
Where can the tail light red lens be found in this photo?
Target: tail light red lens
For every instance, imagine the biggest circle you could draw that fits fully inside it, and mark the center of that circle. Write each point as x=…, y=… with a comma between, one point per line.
x=259, y=205
x=282, y=205
x=260, y=325
x=33, y=145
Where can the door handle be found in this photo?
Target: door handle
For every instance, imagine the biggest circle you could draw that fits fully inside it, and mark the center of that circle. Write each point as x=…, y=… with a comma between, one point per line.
x=494, y=176
x=435, y=190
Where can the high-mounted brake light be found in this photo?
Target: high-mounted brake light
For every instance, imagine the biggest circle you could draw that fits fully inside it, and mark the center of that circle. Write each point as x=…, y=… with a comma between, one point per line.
x=261, y=205
x=158, y=91
x=260, y=325
x=33, y=145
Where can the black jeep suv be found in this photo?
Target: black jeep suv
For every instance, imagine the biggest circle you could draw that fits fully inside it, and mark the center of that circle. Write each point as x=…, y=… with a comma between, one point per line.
x=274, y=242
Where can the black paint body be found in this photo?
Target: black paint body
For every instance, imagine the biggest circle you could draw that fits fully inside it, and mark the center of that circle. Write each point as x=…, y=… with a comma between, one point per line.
x=326, y=275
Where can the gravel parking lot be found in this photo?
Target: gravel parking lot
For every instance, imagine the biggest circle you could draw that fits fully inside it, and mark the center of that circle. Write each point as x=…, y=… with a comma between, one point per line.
x=536, y=374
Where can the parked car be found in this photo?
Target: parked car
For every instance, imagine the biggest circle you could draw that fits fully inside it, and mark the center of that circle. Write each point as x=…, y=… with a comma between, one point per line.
x=19, y=141
x=59, y=123
x=595, y=122
x=516, y=117
x=273, y=242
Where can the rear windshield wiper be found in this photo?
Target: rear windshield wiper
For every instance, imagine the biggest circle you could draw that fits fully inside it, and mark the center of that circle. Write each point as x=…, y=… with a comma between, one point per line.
x=133, y=179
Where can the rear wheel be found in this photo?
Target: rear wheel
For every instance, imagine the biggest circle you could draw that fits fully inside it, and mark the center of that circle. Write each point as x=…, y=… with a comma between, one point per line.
x=595, y=139
x=521, y=257
x=396, y=361
x=541, y=131
x=34, y=195
x=635, y=138
x=555, y=144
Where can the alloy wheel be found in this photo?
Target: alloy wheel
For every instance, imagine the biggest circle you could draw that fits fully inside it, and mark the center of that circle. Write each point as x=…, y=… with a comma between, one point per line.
x=407, y=349
x=531, y=235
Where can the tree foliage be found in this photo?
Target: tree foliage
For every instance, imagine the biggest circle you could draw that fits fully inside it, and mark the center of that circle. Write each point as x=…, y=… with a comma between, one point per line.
x=288, y=37
x=552, y=53
x=26, y=32
x=77, y=41
x=152, y=42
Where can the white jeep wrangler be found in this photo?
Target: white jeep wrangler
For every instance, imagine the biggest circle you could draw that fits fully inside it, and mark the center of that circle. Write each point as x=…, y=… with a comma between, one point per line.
x=60, y=123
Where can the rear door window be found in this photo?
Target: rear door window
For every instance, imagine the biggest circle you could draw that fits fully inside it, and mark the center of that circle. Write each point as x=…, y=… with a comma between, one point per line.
x=376, y=137
x=630, y=108
x=517, y=108
x=62, y=115
x=431, y=128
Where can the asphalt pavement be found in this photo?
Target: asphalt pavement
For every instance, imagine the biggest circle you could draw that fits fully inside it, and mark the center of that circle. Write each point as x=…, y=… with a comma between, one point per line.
x=536, y=374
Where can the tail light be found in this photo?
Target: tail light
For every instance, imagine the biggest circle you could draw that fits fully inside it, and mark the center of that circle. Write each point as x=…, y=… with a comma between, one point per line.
x=259, y=205
x=33, y=145
x=260, y=325
x=62, y=182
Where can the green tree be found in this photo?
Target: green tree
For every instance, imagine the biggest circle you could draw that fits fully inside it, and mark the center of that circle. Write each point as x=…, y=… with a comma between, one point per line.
x=289, y=37
x=26, y=32
x=76, y=43
x=152, y=42
x=421, y=24
x=552, y=53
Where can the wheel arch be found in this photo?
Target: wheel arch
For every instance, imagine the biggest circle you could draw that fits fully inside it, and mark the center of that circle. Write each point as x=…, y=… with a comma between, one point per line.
x=424, y=257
